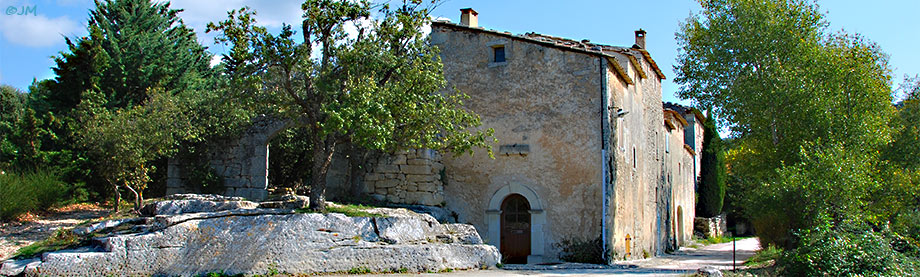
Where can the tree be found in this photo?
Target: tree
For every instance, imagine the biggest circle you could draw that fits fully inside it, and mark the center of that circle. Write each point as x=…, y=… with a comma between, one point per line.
x=376, y=89
x=131, y=46
x=12, y=106
x=123, y=142
x=777, y=79
x=712, y=172
x=808, y=109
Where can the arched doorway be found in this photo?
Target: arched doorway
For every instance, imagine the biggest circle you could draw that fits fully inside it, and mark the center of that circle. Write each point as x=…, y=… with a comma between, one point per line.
x=515, y=229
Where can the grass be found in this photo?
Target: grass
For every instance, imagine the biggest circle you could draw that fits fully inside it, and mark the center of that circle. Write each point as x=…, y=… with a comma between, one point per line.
x=764, y=257
x=359, y=270
x=61, y=239
x=719, y=239
x=352, y=210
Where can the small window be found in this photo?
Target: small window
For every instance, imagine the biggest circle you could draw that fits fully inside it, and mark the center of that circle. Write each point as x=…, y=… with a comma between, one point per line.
x=499, y=54
x=634, y=158
x=667, y=143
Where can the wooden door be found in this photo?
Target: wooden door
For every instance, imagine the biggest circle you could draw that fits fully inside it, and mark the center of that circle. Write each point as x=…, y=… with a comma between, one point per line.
x=515, y=229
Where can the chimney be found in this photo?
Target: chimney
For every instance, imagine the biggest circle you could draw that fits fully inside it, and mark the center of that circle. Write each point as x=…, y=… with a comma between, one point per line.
x=469, y=18
x=640, y=38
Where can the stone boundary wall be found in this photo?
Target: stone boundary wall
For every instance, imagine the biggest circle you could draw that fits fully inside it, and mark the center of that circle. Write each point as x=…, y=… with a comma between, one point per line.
x=708, y=227
x=241, y=162
x=407, y=177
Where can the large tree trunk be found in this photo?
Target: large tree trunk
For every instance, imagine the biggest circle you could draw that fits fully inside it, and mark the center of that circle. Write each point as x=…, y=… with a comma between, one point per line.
x=322, y=157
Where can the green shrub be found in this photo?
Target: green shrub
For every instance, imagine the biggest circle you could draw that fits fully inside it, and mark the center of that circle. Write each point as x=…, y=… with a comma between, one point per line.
x=582, y=251
x=29, y=192
x=859, y=251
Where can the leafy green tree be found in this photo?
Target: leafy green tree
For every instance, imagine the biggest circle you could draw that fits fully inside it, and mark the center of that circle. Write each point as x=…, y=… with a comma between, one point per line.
x=774, y=75
x=376, y=89
x=123, y=142
x=12, y=106
x=905, y=147
x=811, y=117
x=712, y=172
x=131, y=46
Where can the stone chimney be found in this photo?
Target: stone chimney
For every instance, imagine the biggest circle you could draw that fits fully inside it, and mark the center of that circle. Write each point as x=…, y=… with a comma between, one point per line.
x=469, y=18
x=640, y=38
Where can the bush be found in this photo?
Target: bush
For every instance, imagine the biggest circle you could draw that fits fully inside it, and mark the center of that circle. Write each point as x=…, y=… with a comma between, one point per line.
x=826, y=251
x=34, y=191
x=582, y=251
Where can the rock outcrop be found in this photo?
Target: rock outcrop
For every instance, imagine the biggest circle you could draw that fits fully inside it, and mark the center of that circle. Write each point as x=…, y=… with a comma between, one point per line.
x=261, y=241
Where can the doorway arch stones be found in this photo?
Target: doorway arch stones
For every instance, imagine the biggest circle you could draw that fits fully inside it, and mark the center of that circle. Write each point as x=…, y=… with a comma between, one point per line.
x=537, y=218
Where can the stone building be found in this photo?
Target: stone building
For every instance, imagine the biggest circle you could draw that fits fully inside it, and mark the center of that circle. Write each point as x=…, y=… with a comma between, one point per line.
x=586, y=150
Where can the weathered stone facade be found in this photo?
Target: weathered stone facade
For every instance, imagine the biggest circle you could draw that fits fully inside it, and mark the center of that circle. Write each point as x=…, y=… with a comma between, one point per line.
x=583, y=139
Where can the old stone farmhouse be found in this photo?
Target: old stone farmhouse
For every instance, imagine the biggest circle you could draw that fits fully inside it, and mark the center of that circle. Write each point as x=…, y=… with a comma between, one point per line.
x=587, y=150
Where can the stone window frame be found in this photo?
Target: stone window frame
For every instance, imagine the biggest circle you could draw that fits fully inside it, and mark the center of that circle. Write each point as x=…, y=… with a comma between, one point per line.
x=499, y=43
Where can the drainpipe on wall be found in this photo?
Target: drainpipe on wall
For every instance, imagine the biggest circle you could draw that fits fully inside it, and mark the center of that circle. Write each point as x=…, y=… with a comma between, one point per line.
x=605, y=131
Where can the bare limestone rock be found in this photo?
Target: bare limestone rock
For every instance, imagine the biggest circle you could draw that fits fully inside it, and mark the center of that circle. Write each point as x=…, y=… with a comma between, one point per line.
x=261, y=241
x=193, y=203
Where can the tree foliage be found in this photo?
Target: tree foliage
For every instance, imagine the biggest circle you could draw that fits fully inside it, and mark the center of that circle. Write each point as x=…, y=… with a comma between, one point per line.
x=816, y=140
x=712, y=172
x=376, y=88
x=133, y=47
x=123, y=142
x=777, y=78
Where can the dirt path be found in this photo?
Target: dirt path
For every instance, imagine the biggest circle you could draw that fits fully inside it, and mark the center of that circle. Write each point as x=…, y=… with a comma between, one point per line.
x=14, y=235
x=684, y=262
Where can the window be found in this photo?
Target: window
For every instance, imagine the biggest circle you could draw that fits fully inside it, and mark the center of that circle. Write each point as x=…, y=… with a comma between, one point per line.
x=667, y=142
x=634, y=157
x=499, y=53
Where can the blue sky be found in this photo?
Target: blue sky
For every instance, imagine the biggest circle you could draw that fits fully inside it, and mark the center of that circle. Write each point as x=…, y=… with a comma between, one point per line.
x=28, y=41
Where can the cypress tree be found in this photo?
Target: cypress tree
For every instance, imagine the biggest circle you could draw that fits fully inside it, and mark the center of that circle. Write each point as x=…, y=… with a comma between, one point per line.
x=712, y=173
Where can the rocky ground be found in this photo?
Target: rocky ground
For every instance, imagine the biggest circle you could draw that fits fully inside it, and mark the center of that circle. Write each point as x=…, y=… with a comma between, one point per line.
x=32, y=228
x=192, y=235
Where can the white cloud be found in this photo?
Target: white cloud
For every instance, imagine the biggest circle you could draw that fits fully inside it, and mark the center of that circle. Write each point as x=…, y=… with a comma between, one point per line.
x=37, y=30
x=215, y=60
x=269, y=13
x=426, y=29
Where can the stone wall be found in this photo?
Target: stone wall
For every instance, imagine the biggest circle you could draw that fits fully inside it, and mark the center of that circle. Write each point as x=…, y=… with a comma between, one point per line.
x=407, y=177
x=708, y=227
x=241, y=162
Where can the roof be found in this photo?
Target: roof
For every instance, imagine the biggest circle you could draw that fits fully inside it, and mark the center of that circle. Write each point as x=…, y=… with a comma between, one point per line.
x=684, y=110
x=683, y=122
x=583, y=46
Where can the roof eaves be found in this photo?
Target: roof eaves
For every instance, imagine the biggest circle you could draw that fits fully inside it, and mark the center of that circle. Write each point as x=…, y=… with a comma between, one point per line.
x=619, y=69
x=635, y=63
x=677, y=115
x=648, y=58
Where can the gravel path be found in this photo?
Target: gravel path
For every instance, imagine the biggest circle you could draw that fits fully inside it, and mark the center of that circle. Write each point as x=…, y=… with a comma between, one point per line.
x=14, y=235
x=685, y=261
